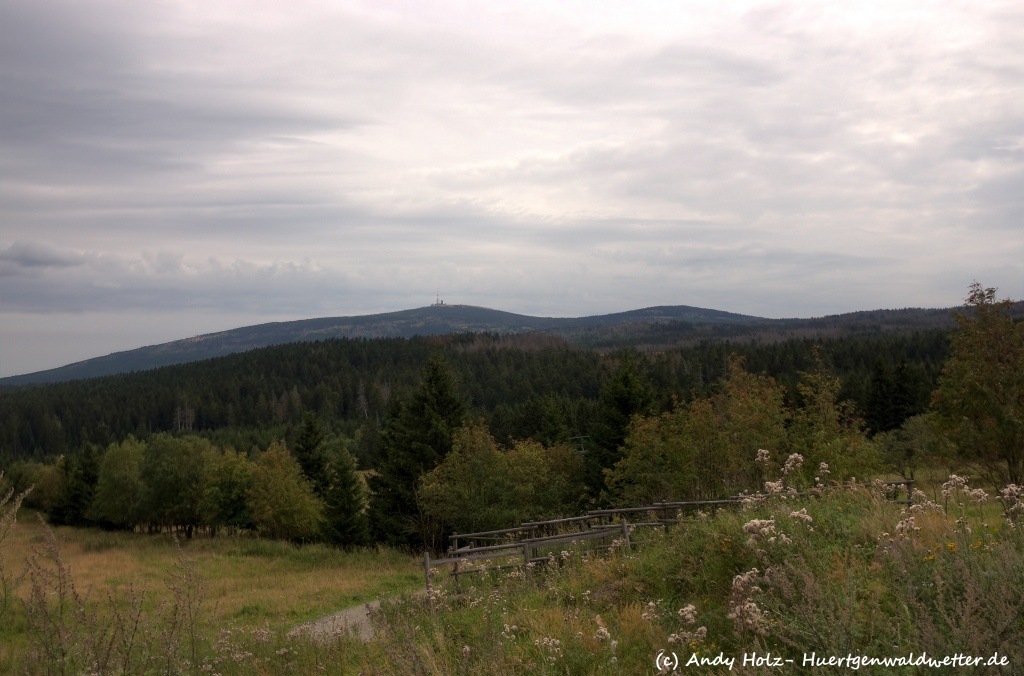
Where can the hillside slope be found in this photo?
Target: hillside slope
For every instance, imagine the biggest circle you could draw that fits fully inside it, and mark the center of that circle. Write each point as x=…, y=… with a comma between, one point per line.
x=426, y=321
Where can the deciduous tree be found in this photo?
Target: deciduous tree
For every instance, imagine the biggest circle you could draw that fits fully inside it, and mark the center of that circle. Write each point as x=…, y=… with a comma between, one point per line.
x=281, y=500
x=119, y=488
x=981, y=391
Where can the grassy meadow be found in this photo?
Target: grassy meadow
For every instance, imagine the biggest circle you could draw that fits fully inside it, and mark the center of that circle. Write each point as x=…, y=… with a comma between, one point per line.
x=844, y=572
x=247, y=580
x=242, y=583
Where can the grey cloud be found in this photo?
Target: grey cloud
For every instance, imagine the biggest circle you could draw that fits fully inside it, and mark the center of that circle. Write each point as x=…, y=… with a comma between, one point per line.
x=168, y=281
x=778, y=162
x=37, y=255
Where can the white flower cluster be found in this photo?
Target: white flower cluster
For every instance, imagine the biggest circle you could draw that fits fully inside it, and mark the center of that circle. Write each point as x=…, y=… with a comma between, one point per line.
x=921, y=502
x=793, y=463
x=907, y=527
x=552, y=646
x=953, y=484
x=959, y=484
x=651, y=612
x=755, y=528
x=745, y=614
x=802, y=515
x=1013, y=499
x=688, y=616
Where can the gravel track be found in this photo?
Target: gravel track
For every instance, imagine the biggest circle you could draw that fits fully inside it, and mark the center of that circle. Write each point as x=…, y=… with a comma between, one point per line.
x=355, y=620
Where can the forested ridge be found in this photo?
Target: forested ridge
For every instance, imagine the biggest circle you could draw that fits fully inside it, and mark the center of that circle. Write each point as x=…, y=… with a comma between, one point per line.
x=246, y=400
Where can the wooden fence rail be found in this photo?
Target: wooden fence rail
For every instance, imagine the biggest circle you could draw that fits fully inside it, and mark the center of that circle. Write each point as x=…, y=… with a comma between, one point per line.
x=595, y=524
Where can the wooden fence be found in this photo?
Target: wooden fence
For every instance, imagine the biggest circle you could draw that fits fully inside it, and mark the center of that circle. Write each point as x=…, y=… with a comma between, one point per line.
x=526, y=539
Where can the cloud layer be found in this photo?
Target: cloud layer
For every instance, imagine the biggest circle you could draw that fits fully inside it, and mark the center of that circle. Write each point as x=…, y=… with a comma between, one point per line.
x=248, y=161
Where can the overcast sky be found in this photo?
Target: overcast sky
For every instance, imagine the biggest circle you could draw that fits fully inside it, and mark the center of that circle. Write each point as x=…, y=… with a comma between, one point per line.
x=174, y=168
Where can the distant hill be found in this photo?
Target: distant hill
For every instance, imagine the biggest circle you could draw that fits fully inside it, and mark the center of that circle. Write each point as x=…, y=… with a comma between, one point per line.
x=649, y=328
x=426, y=321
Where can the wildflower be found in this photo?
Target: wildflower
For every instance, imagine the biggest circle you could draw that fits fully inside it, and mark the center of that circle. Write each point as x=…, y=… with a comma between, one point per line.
x=954, y=484
x=977, y=495
x=793, y=463
x=747, y=616
x=762, y=527
x=651, y=613
x=744, y=583
x=744, y=611
x=692, y=638
x=907, y=527
x=802, y=515
x=763, y=456
x=688, y=614
x=550, y=644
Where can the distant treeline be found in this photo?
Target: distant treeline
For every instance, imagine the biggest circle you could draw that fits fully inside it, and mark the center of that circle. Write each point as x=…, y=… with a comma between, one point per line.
x=530, y=386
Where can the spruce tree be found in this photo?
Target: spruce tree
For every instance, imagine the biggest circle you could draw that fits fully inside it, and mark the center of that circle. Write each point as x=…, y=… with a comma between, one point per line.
x=626, y=394
x=309, y=452
x=417, y=436
x=345, y=519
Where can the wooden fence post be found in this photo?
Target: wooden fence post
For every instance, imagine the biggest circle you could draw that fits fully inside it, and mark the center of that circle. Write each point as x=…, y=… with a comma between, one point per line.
x=526, y=559
x=625, y=532
x=454, y=548
x=426, y=569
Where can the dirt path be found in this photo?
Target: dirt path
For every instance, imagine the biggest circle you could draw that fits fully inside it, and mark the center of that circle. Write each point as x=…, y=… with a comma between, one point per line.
x=355, y=620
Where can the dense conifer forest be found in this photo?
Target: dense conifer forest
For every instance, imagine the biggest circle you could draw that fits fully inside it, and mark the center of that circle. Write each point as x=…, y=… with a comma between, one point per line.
x=523, y=385
x=405, y=440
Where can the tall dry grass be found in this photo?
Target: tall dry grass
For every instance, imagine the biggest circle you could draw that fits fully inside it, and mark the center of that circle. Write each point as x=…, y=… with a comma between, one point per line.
x=845, y=572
